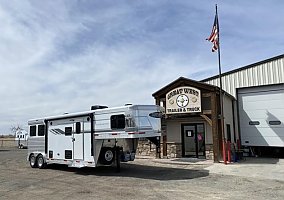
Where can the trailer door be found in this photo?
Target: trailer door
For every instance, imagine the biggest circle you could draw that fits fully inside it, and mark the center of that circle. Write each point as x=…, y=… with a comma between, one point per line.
x=78, y=141
x=60, y=136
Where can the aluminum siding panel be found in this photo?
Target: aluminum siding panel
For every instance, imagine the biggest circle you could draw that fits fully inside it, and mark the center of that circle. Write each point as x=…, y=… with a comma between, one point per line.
x=265, y=74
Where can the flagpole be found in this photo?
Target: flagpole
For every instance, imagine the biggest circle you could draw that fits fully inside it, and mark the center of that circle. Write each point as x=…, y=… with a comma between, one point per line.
x=221, y=93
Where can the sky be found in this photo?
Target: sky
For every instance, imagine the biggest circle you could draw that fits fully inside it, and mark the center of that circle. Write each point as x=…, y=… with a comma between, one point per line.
x=64, y=56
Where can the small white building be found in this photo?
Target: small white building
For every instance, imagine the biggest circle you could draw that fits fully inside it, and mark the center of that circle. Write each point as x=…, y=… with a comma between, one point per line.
x=21, y=138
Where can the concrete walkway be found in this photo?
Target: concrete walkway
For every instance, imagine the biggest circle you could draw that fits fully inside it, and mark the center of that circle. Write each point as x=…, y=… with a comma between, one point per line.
x=262, y=168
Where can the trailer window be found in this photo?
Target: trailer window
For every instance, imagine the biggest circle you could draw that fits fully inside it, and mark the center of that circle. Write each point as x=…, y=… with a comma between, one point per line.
x=40, y=130
x=117, y=121
x=68, y=130
x=274, y=122
x=254, y=123
x=78, y=127
x=32, y=130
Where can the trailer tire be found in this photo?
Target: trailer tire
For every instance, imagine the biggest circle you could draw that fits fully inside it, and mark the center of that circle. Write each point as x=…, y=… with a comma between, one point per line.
x=33, y=161
x=40, y=162
x=106, y=156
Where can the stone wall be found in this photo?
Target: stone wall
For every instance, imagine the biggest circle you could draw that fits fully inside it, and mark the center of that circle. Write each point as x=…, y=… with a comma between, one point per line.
x=174, y=150
x=209, y=151
x=146, y=148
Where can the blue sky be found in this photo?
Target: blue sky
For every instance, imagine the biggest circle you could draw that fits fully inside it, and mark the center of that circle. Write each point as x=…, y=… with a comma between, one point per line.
x=64, y=56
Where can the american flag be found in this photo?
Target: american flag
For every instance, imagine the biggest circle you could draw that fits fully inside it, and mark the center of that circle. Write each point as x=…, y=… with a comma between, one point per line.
x=214, y=35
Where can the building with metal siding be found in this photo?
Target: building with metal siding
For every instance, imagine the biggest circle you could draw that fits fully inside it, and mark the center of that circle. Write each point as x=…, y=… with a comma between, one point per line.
x=241, y=86
x=259, y=91
x=267, y=72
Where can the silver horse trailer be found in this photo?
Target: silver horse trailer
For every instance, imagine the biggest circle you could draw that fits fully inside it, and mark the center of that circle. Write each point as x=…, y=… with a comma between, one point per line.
x=102, y=136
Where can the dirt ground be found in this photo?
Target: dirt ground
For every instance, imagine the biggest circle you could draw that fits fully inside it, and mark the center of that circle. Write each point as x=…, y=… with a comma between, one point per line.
x=141, y=179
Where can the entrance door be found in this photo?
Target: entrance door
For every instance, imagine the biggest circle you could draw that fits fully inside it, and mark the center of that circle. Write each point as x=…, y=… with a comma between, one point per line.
x=193, y=140
x=78, y=139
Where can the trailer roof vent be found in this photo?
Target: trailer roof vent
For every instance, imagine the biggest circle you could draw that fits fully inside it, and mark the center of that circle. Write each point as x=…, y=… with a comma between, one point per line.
x=96, y=107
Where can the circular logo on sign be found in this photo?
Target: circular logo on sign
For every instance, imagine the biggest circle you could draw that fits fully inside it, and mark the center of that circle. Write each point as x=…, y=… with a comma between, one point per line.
x=182, y=100
x=193, y=99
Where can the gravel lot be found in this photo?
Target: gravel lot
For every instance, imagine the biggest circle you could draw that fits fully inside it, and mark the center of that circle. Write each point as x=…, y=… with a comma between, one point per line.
x=141, y=179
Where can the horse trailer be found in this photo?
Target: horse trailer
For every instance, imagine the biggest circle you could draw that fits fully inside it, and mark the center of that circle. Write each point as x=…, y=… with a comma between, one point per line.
x=101, y=136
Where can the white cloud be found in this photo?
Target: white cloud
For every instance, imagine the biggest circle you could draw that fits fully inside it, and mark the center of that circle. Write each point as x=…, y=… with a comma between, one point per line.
x=64, y=56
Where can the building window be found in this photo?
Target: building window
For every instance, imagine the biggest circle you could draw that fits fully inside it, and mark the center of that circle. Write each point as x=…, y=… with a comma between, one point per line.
x=117, y=121
x=40, y=130
x=32, y=130
x=274, y=122
x=68, y=131
x=254, y=123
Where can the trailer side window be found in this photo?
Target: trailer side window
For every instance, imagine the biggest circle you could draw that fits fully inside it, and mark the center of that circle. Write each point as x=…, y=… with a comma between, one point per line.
x=40, y=130
x=254, y=123
x=32, y=130
x=117, y=122
x=68, y=131
x=274, y=122
x=78, y=127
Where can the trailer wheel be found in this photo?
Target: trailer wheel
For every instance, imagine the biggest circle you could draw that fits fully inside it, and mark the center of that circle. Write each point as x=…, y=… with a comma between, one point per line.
x=106, y=156
x=33, y=161
x=40, y=162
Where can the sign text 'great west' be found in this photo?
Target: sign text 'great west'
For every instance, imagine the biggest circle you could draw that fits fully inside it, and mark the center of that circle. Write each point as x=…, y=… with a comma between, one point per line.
x=183, y=100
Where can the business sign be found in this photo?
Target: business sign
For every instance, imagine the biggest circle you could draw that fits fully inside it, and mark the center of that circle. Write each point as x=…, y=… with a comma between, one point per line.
x=183, y=100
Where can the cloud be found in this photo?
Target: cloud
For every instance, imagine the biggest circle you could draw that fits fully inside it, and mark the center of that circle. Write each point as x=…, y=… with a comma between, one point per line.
x=64, y=56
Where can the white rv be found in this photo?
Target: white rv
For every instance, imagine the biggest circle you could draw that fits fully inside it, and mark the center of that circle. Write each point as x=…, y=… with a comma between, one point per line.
x=101, y=136
x=21, y=138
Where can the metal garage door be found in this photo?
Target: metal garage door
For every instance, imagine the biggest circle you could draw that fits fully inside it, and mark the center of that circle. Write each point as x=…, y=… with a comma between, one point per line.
x=261, y=115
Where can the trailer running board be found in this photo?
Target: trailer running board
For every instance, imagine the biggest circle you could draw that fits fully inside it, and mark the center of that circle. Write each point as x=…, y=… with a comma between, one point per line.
x=124, y=135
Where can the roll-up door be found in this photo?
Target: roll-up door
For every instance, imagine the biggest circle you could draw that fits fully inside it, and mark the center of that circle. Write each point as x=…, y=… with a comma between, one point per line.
x=261, y=115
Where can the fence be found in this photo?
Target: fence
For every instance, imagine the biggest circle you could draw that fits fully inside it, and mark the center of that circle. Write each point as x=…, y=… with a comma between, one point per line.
x=7, y=142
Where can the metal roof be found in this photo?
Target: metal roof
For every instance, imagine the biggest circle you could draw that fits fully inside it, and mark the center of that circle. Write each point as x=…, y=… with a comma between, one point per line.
x=245, y=67
x=266, y=72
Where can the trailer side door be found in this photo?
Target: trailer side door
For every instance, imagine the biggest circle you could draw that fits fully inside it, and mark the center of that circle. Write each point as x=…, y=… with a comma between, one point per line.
x=78, y=140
